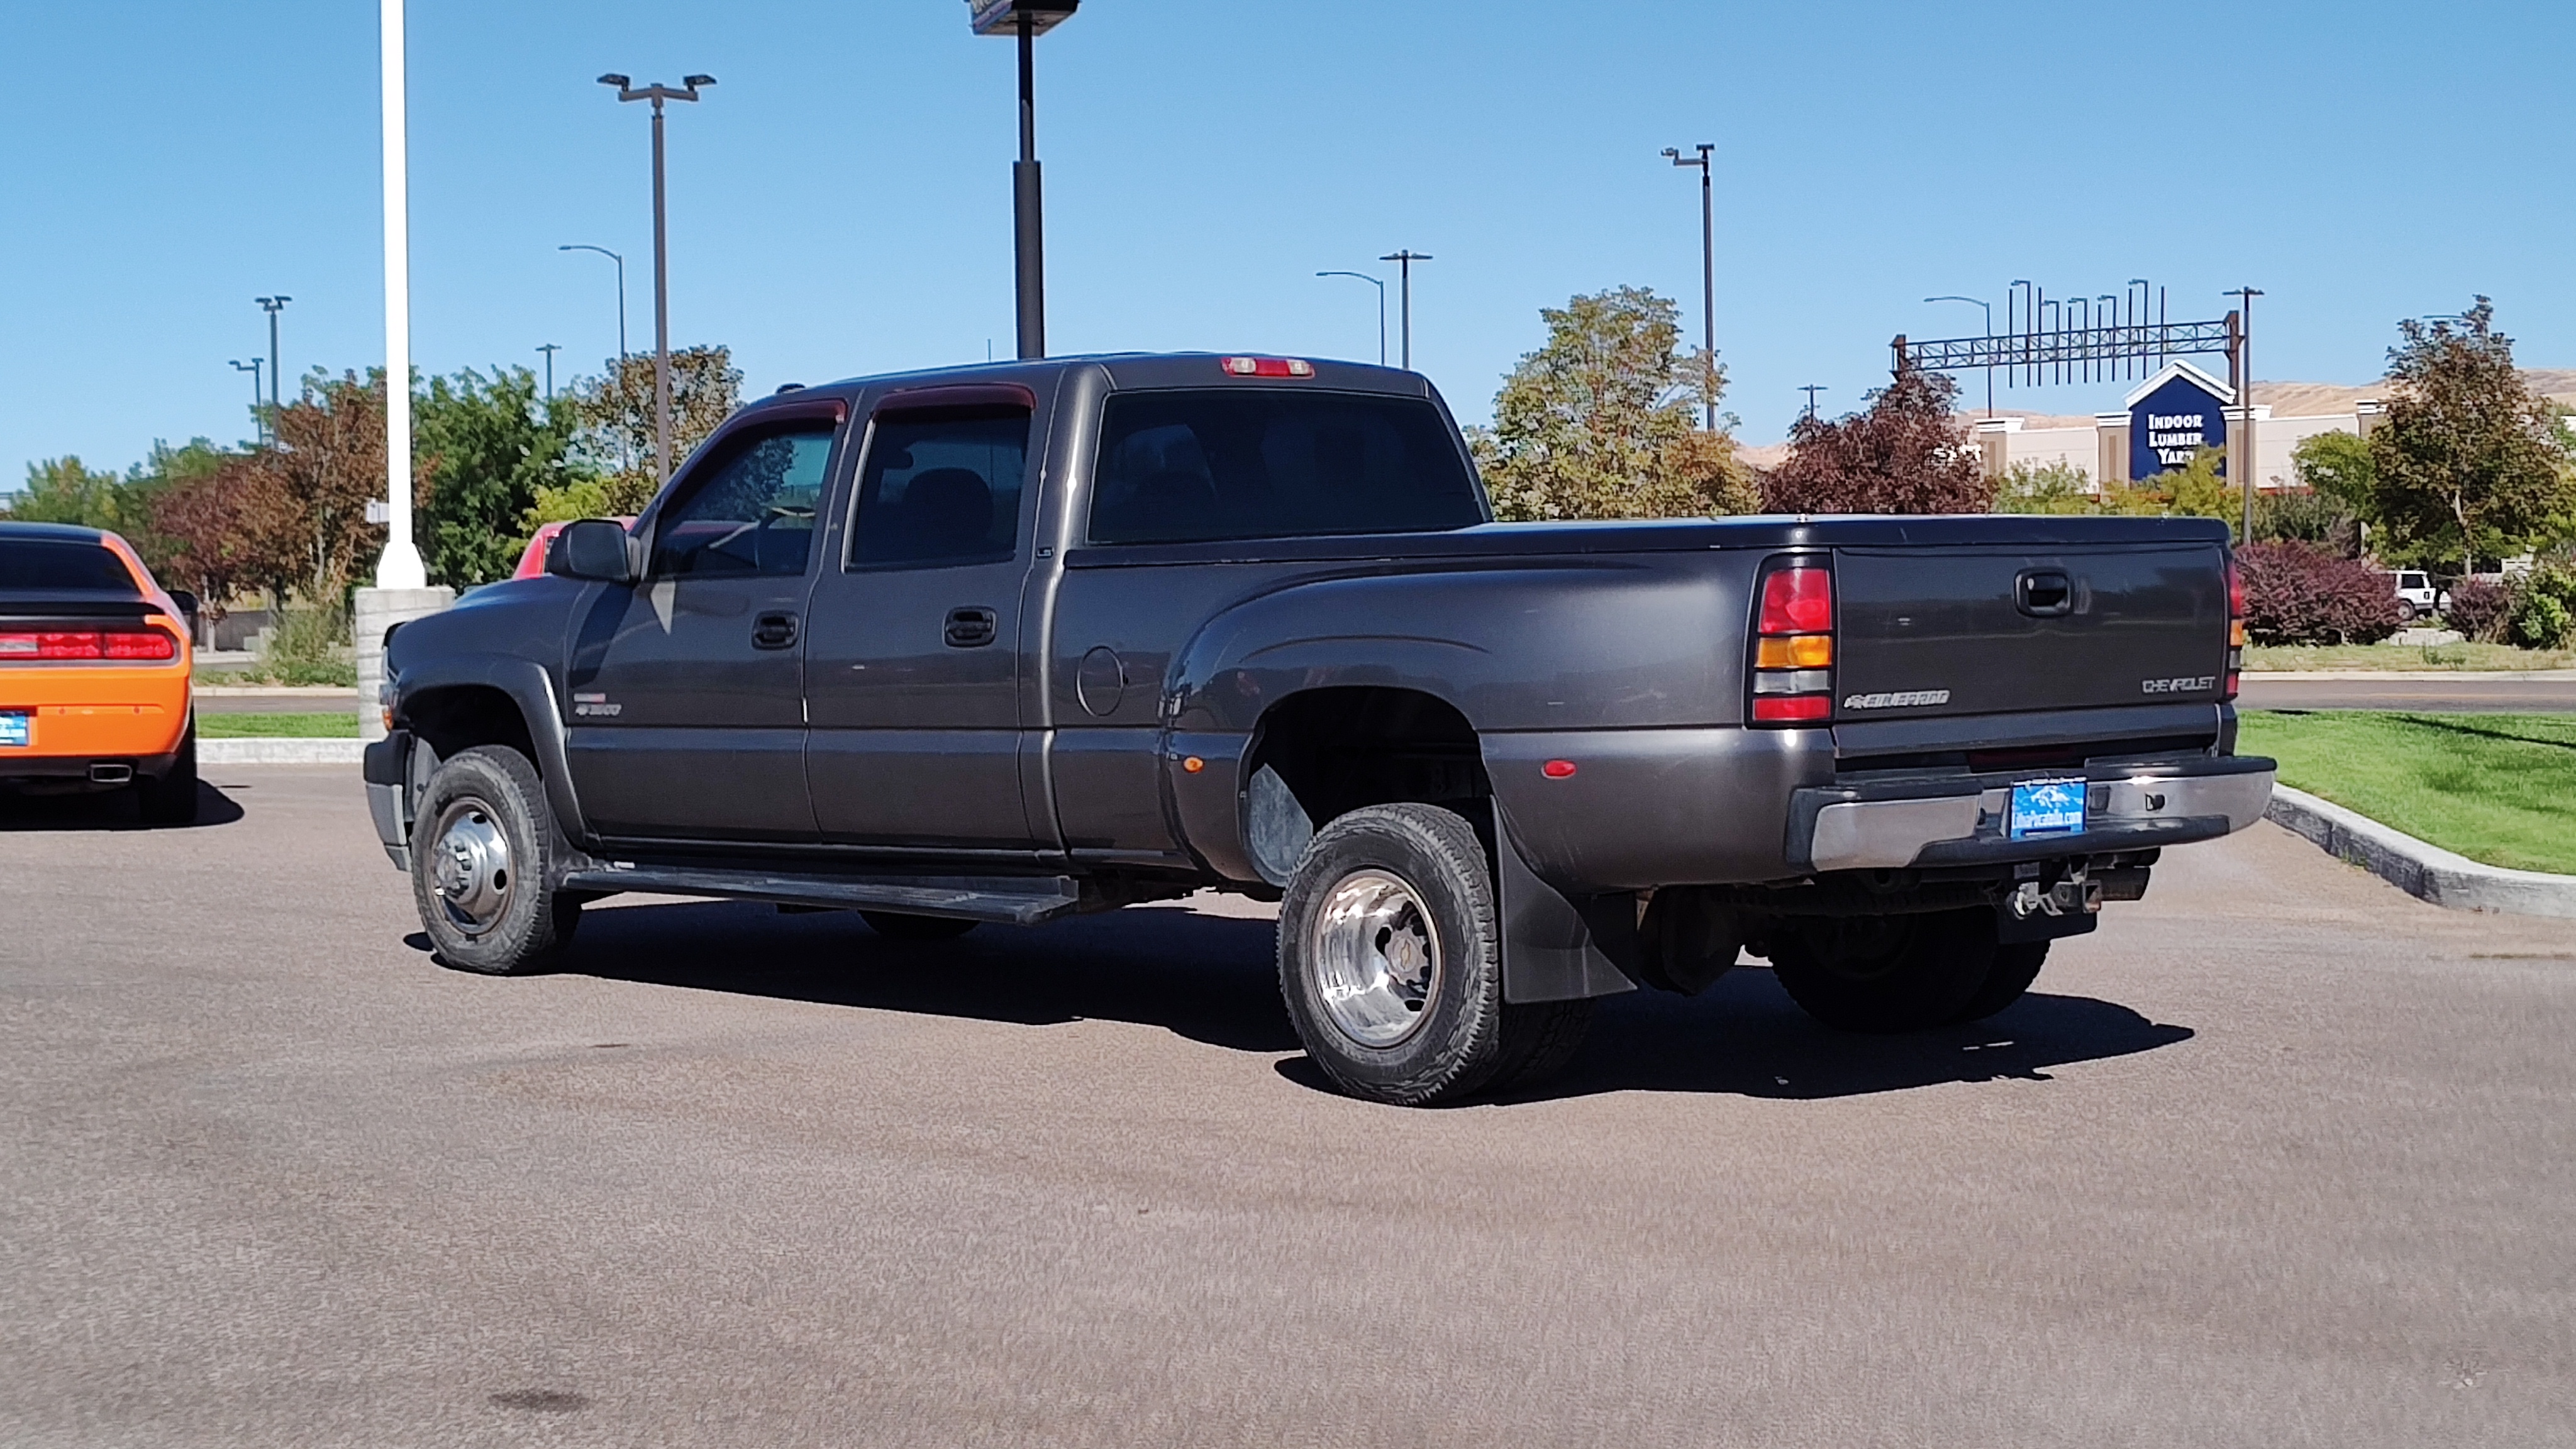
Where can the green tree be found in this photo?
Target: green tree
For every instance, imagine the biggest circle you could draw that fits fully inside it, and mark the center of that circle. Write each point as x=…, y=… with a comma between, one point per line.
x=614, y=417
x=1603, y=421
x=2338, y=466
x=66, y=490
x=2469, y=462
x=486, y=446
x=2059, y=487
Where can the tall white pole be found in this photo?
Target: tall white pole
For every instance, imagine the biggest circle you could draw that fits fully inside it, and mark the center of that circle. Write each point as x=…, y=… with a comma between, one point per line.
x=400, y=567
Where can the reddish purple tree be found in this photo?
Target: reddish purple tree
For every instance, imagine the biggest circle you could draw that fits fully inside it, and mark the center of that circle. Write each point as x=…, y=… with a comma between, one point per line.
x=1905, y=453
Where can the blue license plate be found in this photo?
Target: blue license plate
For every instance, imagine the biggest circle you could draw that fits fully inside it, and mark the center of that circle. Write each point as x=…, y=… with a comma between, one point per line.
x=17, y=731
x=2047, y=807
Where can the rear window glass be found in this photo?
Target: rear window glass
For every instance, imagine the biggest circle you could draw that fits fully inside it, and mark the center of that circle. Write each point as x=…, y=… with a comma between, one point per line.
x=941, y=487
x=29, y=563
x=1186, y=466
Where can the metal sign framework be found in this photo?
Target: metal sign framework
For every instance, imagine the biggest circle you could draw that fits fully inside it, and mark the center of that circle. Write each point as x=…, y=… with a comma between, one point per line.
x=2048, y=340
x=2075, y=354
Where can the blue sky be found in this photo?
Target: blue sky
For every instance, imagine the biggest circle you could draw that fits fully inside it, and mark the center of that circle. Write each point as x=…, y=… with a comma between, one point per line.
x=841, y=201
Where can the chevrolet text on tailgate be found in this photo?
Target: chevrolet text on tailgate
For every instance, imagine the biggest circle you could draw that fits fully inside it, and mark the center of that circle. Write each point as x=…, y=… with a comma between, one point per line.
x=1010, y=642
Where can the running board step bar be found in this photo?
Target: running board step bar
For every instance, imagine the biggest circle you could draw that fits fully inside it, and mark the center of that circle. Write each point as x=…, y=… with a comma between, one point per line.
x=1010, y=900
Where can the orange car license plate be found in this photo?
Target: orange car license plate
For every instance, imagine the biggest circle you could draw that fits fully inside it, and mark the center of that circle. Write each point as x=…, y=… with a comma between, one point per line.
x=17, y=730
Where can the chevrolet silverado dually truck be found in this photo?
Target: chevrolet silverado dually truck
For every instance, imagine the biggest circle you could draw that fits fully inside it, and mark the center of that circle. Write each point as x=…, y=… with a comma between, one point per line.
x=1004, y=643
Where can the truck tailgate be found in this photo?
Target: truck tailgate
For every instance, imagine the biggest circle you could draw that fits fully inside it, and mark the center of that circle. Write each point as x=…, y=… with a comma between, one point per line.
x=1931, y=632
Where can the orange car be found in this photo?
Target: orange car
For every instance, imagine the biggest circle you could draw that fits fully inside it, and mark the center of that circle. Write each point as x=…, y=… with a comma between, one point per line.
x=94, y=663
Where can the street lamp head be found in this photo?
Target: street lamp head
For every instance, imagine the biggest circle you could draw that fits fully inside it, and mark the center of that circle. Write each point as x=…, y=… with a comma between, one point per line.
x=695, y=81
x=614, y=79
x=1002, y=17
x=1673, y=152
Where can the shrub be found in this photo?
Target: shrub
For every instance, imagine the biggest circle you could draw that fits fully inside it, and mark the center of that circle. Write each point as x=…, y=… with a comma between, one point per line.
x=2297, y=593
x=2479, y=609
x=2543, y=615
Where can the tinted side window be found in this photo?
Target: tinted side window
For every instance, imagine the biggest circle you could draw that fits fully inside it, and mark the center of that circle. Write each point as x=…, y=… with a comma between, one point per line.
x=1181, y=466
x=941, y=487
x=750, y=508
x=28, y=563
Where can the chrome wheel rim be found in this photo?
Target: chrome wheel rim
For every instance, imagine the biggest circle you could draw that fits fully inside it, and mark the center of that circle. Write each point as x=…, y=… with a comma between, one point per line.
x=470, y=867
x=1377, y=958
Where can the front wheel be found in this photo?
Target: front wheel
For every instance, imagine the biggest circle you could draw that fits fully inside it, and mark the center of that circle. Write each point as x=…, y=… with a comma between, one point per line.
x=1390, y=960
x=1887, y=973
x=483, y=865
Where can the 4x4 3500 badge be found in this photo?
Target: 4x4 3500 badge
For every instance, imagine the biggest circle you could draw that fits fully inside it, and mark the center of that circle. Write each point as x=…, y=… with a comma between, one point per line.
x=1900, y=699
x=2178, y=686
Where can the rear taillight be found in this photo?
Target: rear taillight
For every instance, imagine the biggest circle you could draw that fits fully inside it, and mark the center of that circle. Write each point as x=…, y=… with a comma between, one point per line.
x=1793, y=647
x=2235, y=627
x=77, y=644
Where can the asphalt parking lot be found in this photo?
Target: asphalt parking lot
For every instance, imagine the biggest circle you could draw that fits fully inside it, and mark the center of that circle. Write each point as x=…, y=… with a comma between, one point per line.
x=2279, y=1157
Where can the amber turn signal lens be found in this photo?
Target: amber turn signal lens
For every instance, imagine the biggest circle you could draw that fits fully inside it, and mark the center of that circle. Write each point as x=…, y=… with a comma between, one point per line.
x=1805, y=651
x=2236, y=634
x=1193, y=764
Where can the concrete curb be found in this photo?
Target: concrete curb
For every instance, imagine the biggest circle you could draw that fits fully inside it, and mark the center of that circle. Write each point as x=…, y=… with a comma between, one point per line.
x=280, y=751
x=2423, y=870
x=281, y=691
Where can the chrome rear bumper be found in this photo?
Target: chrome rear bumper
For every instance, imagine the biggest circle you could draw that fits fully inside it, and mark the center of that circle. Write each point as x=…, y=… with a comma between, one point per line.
x=1890, y=825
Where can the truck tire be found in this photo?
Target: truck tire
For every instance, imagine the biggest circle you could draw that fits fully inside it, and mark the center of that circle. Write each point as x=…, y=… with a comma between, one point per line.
x=483, y=865
x=897, y=926
x=1886, y=973
x=1390, y=960
x=2016, y=967
x=172, y=799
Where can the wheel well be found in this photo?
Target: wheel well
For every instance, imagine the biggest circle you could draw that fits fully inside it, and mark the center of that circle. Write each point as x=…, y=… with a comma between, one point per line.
x=1339, y=749
x=464, y=716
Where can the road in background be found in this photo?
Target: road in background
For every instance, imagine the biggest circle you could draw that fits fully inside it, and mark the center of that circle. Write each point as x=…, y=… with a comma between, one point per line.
x=2278, y=1156
x=235, y=699
x=2440, y=694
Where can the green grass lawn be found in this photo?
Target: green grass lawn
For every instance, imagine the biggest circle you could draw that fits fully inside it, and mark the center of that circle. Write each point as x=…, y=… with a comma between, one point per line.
x=2498, y=788
x=339, y=724
x=2406, y=656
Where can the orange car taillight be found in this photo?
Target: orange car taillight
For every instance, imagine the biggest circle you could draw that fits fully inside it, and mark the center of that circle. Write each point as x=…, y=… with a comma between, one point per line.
x=1793, y=646
x=77, y=644
x=2235, y=627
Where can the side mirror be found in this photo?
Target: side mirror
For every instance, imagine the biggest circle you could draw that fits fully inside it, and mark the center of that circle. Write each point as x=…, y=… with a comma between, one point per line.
x=188, y=603
x=594, y=548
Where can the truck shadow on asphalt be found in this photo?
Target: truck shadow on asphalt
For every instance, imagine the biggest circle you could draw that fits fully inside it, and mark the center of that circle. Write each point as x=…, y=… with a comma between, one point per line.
x=105, y=810
x=1212, y=979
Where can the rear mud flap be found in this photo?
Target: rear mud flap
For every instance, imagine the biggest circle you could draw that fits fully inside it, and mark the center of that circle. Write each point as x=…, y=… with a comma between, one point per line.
x=1557, y=948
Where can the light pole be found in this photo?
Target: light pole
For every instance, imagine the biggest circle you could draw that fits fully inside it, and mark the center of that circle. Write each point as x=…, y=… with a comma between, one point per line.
x=1707, y=263
x=550, y=349
x=1990, y=331
x=258, y=427
x=1405, y=260
x=1811, y=389
x=1026, y=20
x=621, y=287
x=400, y=565
x=2243, y=465
x=1381, y=307
x=657, y=93
x=273, y=306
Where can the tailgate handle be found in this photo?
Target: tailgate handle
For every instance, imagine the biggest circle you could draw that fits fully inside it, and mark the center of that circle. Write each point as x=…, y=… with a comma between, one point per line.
x=2044, y=593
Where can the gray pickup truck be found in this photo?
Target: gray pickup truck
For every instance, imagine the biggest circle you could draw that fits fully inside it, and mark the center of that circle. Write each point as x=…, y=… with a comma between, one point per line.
x=1009, y=642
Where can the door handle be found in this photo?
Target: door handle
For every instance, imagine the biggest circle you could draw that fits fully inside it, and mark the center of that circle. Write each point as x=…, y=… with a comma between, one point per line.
x=2044, y=593
x=972, y=628
x=775, y=630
